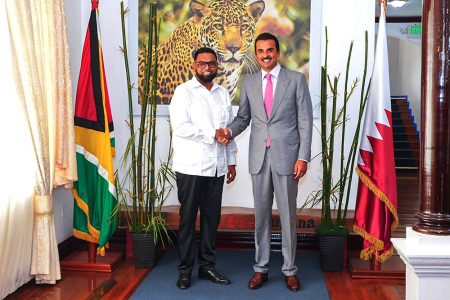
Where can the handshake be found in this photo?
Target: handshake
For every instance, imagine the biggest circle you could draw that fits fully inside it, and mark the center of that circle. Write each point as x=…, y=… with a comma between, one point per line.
x=223, y=135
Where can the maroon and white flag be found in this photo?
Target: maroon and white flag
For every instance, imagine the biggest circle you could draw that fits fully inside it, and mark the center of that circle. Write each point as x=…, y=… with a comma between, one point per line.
x=376, y=205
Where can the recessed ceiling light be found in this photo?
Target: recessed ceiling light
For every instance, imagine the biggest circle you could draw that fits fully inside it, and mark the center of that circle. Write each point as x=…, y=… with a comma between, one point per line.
x=397, y=3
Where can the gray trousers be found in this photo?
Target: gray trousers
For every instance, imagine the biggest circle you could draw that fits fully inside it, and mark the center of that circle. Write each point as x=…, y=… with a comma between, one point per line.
x=265, y=183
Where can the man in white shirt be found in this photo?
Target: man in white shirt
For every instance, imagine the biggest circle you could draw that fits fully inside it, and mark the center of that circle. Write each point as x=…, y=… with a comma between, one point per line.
x=198, y=109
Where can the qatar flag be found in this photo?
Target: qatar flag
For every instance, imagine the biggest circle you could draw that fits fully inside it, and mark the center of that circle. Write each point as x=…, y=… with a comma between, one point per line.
x=376, y=204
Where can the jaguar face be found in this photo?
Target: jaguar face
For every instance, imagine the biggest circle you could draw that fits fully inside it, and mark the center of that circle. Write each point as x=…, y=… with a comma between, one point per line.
x=228, y=27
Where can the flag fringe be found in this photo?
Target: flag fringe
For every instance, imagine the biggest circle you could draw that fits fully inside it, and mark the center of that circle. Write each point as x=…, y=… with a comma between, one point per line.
x=385, y=256
x=368, y=252
x=378, y=246
x=101, y=250
x=377, y=243
x=380, y=195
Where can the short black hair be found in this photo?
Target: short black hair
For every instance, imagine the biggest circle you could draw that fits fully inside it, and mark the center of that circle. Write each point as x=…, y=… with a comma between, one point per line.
x=265, y=36
x=204, y=50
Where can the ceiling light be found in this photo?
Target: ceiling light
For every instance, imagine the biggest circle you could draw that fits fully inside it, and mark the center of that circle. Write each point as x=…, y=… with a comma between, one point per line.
x=397, y=3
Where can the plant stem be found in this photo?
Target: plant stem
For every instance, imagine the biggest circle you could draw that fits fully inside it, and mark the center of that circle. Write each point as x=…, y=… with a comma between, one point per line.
x=343, y=175
x=153, y=116
x=332, y=133
x=323, y=134
x=130, y=109
x=362, y=106
x=142, y=127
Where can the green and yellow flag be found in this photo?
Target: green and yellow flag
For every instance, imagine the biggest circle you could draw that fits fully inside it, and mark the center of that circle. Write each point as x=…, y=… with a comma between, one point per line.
x=95, y=192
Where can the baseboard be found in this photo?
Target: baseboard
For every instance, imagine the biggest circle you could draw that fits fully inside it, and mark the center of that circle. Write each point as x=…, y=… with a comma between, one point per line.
x=246, y=240
x=225, y=239
x=69, y=245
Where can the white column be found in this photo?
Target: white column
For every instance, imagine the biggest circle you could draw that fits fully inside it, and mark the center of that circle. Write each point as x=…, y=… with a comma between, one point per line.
x=427, y=259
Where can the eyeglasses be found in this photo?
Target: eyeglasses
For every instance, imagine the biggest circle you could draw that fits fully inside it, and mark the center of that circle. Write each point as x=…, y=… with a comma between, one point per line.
x=211, y=64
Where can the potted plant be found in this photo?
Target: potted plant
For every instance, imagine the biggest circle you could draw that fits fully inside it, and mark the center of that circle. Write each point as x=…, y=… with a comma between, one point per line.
x=334, y=195
x=144, y=188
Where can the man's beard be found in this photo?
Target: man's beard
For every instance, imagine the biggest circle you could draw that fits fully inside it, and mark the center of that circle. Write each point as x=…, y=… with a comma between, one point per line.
x=206, y=79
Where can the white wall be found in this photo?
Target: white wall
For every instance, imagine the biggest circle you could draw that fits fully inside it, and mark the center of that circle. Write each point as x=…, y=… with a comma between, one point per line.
x=405, y=72
x=400, y=31
x=410, y=62
x=344, y=25
x=393, y=45
x=76, y=29
x=405, y=59
x=341, y=30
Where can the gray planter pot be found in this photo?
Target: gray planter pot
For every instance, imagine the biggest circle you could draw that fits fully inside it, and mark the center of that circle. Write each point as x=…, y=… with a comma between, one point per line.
x=331, y=252
x=144, y=248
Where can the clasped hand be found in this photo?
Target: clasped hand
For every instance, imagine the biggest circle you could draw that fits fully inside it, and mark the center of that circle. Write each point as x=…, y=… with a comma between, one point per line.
x=223, y=135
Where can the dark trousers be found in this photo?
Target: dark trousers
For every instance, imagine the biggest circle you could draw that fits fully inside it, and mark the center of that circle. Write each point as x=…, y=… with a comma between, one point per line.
x=194, y=193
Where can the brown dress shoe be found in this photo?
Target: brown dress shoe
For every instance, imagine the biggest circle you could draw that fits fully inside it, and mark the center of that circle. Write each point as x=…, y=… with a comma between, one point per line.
x=292, y=283
x=257, y=280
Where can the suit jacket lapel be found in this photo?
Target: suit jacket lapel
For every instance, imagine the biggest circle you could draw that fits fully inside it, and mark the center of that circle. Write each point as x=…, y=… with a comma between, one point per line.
x=256, y=93
x=280, y=90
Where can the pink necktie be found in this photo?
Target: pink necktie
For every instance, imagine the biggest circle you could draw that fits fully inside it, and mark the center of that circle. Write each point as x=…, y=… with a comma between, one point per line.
x=268, y=100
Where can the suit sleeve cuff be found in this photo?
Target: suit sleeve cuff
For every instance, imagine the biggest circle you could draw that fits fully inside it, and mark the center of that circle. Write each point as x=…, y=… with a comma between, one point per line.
x=231, y=131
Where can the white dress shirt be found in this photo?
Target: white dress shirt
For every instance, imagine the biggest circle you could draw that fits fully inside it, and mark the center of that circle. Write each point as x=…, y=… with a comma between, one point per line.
x=195, y=114
x=273, y=76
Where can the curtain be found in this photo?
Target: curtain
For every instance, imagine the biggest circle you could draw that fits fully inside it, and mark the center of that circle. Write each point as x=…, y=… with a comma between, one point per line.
x=42, y=79
x=16, y=177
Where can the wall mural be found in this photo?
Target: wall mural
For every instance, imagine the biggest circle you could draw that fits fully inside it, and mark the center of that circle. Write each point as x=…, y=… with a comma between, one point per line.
x=229, y=27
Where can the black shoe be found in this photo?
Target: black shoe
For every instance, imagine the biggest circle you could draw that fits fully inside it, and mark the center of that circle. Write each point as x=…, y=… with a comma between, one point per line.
x=184, y=281
x=213, y=275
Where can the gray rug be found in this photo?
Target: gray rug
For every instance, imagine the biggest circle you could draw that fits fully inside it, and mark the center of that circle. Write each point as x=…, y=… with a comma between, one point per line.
x=238, y=266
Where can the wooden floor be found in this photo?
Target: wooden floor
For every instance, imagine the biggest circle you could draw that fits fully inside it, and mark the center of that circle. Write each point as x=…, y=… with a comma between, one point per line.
x=121, y=283
x=342, y=287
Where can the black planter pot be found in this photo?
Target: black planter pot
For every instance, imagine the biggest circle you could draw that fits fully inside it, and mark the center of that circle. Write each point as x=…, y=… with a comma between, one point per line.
x=144, y=248
x=331, y=252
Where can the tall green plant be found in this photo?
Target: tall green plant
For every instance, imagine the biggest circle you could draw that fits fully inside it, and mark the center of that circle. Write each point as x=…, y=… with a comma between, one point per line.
x=332, y=192
x=143, y=185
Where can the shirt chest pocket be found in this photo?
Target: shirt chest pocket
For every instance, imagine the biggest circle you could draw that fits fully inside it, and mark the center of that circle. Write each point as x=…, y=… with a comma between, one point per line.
x=220, y=115
x=224, y=115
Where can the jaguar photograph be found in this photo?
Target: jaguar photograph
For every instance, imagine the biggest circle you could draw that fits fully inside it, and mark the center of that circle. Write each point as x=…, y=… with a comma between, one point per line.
x=229, y=27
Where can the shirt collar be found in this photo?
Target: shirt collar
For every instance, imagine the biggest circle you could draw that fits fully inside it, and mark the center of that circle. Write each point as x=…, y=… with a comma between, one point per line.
x=274, y=72
x=195, y=84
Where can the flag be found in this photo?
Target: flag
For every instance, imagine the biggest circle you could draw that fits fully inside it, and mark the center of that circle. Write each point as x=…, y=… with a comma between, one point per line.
x=94, y=192
x=376, y=204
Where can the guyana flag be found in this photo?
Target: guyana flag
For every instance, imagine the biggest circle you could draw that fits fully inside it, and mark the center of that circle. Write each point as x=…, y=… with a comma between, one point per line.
x=95, y=192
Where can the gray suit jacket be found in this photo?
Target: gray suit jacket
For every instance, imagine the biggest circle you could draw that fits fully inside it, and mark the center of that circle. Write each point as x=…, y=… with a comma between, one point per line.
x=289, y=125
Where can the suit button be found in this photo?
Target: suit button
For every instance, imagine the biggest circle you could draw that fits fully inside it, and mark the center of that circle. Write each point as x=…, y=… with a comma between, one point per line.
x=268, y=125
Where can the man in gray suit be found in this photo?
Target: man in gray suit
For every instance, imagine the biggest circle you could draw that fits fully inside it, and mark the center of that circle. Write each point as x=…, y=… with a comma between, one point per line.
x=278, y=103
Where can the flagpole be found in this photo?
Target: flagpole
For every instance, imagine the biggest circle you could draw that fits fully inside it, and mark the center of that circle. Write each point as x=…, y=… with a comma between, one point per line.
x=375, y=264
x=92, y=247
x=92, y=252
x=93, y=203
x=383, y=3
x=369, y=187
